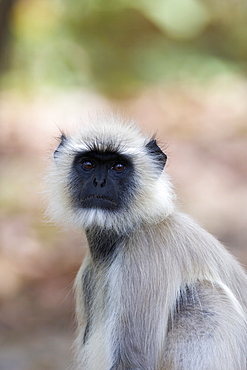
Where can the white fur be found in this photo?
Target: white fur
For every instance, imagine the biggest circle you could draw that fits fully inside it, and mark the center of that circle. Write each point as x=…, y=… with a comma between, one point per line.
x=171, y=297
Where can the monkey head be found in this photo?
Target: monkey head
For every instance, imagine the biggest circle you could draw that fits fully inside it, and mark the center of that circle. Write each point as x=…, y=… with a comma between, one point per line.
x=109, y=175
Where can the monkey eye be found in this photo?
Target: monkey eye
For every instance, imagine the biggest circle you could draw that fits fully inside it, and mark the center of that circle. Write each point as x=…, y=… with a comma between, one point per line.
x=87, y=165
x=118, y=167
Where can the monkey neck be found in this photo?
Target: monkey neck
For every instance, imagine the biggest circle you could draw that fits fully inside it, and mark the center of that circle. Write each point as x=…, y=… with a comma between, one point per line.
x=103, y=244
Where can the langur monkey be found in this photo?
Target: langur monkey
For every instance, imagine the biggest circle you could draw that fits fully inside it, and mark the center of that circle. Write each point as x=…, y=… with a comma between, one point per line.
x=155, y=291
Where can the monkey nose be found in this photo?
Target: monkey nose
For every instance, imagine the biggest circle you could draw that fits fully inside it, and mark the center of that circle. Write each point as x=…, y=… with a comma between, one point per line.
x=100, y=183
x=103, y=183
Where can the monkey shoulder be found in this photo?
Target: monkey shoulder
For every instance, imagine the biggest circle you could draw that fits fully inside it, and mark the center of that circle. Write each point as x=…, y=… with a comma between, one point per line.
x=205, y=320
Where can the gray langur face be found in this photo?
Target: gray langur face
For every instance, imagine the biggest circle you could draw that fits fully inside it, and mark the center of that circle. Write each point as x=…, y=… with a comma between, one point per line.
x=107, y=175
x=105, y=180
x=102, y=180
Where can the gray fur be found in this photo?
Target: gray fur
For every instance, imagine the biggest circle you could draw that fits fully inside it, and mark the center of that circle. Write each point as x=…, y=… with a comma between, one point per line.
x=168, y=295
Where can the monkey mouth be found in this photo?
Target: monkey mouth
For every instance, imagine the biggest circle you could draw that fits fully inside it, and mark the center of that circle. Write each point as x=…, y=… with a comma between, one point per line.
x=98, y=201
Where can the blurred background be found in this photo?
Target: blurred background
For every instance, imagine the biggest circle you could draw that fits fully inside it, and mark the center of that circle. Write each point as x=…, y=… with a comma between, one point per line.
x=179, y=68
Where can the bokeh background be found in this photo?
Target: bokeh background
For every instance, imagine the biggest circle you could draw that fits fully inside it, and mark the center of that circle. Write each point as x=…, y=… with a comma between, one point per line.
x=179, y=68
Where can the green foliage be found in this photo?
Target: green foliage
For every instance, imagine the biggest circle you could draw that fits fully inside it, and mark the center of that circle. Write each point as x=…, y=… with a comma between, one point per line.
x=117, y=47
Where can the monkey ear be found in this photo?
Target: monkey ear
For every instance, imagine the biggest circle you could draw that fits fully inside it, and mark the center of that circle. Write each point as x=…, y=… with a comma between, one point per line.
x=63, y=138
x=157, y=153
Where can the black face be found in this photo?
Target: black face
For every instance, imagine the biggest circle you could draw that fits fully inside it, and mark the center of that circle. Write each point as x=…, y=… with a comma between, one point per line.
x=101, y=180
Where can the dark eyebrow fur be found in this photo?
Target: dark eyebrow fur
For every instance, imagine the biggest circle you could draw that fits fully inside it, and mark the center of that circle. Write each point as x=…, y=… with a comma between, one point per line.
x=62, y=139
